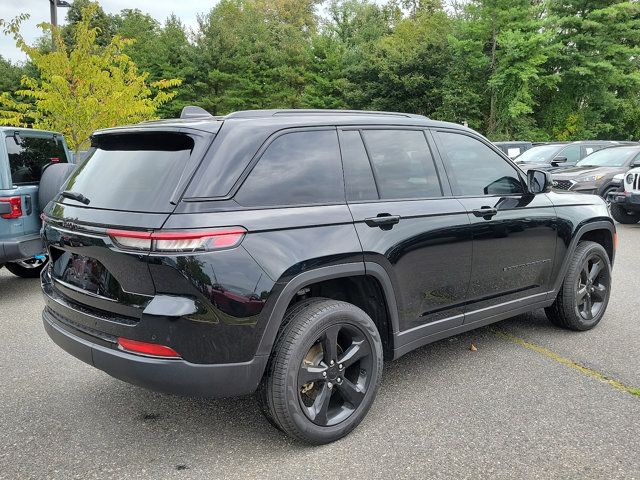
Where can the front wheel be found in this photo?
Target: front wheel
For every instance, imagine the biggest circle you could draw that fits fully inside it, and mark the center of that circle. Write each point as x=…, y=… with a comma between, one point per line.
x=623, y=216
x=27, y=268
x=324, y=372
x=585, y=291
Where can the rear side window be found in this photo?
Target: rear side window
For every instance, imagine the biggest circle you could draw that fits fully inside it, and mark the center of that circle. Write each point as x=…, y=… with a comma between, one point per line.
x=297, y=168
x=474, y=169
x=402, y=164
x=29, y=155
x=134, y=172
x=358, y=176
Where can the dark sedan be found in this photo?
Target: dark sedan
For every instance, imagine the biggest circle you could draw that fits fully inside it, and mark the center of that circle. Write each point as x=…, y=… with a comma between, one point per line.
x=595, y=173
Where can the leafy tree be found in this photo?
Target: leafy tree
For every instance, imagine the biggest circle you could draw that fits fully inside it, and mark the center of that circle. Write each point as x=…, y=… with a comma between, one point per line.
x=249, y=57
x=101, y=21
x=596, y=64
x=10, y=74
x=83, y=88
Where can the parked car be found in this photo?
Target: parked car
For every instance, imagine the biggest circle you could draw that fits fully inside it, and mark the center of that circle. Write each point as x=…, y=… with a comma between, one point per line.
x=24, y=155
x=291, y=252
x=625, y=202
x=513, y=149
x=596, y=173
x=553, y=156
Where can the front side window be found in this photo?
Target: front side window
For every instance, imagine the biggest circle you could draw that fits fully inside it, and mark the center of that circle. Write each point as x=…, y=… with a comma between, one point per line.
x=298, y=168
x=29, y=155
x=572, y=153
x=475, y=169
x=402, y=164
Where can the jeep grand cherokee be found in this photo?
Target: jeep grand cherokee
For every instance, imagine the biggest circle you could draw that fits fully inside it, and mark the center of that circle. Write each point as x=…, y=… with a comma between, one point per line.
x=289, y=253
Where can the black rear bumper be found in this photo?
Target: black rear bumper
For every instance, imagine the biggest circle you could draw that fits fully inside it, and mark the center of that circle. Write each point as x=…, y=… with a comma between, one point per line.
x=20, y=248
x=164, y=375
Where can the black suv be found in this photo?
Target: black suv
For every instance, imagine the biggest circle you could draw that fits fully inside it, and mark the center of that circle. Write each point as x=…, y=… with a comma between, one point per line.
x=291, y=252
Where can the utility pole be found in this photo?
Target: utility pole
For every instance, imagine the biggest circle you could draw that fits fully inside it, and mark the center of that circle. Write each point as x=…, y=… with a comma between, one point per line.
x=53, y=7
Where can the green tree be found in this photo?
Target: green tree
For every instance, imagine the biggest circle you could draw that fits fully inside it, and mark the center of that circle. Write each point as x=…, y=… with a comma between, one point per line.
x=597, y=66
x=10, y=74
x=249, y=57
x=81, y=88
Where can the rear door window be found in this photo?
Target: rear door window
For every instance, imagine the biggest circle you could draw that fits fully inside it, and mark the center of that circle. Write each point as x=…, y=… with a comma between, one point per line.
x=358, y=176
x=29, y=155
x=136, y=172
x=297, y=168
x=402, y=164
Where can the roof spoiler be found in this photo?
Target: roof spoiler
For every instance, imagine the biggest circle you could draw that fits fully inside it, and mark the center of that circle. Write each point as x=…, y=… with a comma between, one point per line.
x=191, y=111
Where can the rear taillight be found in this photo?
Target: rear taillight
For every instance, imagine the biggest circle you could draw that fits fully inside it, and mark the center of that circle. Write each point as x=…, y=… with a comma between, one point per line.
x=178, y=241
x=144, y=348
x=15, y=203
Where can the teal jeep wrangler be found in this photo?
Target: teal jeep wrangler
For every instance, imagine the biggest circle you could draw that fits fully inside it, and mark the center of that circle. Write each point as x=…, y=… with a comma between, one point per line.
x=25, y=154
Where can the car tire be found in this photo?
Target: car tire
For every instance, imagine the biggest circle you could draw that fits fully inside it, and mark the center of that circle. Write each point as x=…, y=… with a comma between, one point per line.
x=585, y=291
x=336, y=396
x=25, y=269
x=621, y=215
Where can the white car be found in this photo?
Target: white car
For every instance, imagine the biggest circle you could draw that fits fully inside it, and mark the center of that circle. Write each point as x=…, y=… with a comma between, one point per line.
x=625, y=203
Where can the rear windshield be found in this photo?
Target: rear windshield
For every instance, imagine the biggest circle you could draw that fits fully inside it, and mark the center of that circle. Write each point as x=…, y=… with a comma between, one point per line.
x=29, y=155
x=135, y=172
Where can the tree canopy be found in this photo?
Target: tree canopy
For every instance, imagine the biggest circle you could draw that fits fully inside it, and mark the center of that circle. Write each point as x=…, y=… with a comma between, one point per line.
x=513, y=69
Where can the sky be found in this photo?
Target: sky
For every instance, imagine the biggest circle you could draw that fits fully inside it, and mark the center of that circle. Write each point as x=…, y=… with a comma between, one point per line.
x=187, y=10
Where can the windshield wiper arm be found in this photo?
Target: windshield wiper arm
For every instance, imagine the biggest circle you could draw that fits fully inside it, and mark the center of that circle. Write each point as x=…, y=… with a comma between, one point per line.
x=76, y=196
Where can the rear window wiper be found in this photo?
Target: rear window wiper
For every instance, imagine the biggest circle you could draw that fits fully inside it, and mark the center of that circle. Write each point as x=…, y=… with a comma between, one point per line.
x=76, y=196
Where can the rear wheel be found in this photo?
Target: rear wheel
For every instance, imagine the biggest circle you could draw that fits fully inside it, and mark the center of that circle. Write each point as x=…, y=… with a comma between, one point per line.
x=623, y=216
x=324, y=373
x=27, y=268
x=584, y=295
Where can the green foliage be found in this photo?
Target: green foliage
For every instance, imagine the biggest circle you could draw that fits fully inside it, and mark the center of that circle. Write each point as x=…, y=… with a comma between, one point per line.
x=81, y=88
x=512, y=69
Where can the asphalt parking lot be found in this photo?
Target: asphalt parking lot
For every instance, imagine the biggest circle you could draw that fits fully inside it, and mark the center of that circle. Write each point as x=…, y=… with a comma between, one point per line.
x=515, y=408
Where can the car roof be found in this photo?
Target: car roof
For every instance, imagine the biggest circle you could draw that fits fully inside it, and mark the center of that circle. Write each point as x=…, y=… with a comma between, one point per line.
x=7, y=128
x=284, y=118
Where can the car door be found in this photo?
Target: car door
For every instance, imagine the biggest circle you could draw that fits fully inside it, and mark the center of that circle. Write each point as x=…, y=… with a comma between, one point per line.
x=407, y=226
x=514, y=232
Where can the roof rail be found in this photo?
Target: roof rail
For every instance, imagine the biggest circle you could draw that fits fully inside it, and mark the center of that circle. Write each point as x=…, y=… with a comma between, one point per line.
x=295, y=112
x=191, y=111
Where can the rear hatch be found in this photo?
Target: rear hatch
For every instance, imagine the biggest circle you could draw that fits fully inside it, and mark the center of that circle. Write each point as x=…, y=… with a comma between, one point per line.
x=131, y=181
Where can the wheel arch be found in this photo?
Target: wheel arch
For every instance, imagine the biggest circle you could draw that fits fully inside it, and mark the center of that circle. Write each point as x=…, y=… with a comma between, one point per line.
x=602, y=232
x=336, y=275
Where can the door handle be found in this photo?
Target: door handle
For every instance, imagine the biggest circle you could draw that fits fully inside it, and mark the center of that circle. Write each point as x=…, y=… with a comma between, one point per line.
x=485, y=212
x=384, y=220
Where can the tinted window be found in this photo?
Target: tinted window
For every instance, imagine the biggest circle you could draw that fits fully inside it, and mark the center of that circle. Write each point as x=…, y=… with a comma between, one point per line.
x=475, y=169
x=402, y=163
x=610, y=157
x=298, y=168
x=29, y=156
x=357, y=169
x=572, y=152
x=133, y=172
x=539, y=154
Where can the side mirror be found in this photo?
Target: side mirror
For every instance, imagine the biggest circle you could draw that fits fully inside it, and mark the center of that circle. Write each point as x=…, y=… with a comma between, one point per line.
x=558, y=160
x=539, y=181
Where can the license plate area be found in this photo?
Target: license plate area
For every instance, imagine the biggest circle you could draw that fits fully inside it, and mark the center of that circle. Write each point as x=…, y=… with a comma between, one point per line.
x=84, y=273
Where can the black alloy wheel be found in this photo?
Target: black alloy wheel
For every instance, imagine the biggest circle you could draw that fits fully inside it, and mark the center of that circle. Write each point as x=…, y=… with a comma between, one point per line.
x=584, y=295
x=593, y=287
x=325, y=371
x=335, y=375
